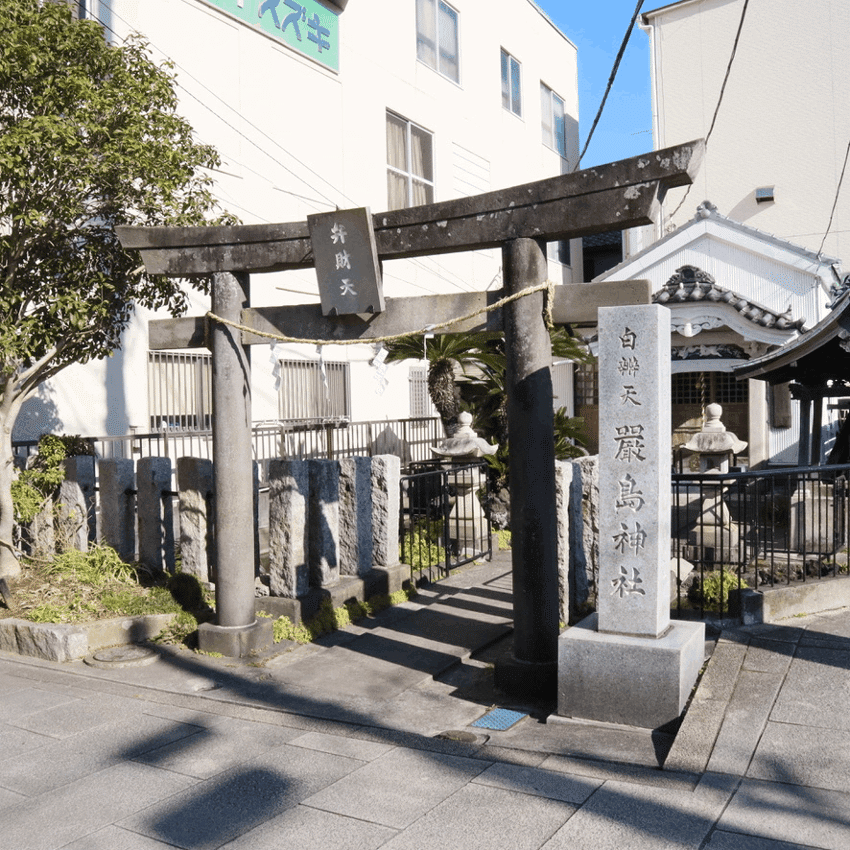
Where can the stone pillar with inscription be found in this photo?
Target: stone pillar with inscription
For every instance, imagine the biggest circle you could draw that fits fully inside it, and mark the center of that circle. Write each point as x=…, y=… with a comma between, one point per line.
x=628, y=663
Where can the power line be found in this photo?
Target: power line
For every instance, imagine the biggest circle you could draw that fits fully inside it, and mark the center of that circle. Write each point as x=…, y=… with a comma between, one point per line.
x=835, y=202
x=720, y=97
x=416, y=261
x=611, y=80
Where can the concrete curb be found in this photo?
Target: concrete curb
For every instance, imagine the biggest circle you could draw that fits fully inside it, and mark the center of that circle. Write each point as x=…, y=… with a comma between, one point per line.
x=61, y=642
x=698, y=733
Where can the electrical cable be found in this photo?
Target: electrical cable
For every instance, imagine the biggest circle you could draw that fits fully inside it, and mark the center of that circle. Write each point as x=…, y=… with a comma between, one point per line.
x=610, y=81
x=462, y=285
x=720, y=96
x=835, y=202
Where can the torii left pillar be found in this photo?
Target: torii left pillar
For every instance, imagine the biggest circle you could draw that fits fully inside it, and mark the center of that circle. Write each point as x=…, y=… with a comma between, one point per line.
x=236, y=631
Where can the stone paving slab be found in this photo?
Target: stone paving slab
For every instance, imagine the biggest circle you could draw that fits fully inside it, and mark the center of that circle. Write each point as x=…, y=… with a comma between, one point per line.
x=341, y=746
x=735, y=841
x=217, y=747
x=70, y=759
x=14, y=742
x=482, y=818
x=744, y=721
x=791, y=813
x=21, y=703
x=621, y=815
x=217, y=810
x=303, y=827
x=586, y=740
x=115, y=838
x=397, y=788
x=820, y=757
x=67, y=814
x=605, y=770
x=538, y=783
x=79, y=715
x=815, y=689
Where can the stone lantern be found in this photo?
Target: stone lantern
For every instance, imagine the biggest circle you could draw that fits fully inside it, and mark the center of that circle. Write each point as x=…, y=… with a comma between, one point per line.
x=467, y=523
x=714, y=444
x=716, y=535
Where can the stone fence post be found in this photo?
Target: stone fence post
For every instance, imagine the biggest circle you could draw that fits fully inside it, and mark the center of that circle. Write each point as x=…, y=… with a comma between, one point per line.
x=323, y=522
x=355, y=516
x=386, y=504
x=156, y=514
x=197, y=542
x=118, y=505
x=77, y=518
x=289, y=541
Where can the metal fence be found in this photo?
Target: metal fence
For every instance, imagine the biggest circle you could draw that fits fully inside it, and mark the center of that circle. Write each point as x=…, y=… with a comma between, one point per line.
x=757, y=529
x=410, y=439
x=442, y=525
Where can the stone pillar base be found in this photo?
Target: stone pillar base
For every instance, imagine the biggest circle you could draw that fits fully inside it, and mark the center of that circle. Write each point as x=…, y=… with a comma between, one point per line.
x=235, y=641
x=526, y=679
x=630, y=681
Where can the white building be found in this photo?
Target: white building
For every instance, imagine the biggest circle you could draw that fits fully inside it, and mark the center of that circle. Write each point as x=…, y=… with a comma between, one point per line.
x=776, y=152
x=735, y=293
x=770, y=226
x=320, y=104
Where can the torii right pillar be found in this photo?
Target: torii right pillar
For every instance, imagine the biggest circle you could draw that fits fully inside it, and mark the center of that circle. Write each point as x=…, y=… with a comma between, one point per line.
x=628, y=663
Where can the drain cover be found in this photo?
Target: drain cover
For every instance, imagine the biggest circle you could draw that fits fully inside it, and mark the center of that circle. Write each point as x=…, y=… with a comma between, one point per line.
x=122, y=656
x=499, y=718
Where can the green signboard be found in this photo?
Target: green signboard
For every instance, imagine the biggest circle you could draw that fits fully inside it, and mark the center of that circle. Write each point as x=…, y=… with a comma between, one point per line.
x=304, y=25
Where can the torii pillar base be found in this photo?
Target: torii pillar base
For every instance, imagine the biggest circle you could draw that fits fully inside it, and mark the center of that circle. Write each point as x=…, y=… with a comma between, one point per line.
x=236, y=641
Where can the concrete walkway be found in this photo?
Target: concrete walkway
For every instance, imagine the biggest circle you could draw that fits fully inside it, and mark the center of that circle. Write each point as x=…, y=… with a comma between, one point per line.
x=367, y=741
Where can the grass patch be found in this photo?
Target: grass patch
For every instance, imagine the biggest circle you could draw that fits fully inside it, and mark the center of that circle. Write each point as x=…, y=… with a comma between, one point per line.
x=79, y=587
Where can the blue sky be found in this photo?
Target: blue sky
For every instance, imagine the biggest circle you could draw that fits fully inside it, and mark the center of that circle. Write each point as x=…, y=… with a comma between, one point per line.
x=597, y=29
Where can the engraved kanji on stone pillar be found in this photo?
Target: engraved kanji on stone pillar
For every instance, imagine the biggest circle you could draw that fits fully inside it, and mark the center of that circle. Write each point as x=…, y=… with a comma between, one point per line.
x=634, y=470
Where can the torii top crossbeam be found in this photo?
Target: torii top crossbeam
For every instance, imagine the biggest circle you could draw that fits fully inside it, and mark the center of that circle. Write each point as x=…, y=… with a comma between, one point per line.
x=615, y=196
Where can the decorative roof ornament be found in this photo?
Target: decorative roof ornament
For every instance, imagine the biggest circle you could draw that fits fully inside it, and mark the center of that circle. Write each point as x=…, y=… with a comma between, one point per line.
x=838, y=289
x=691, y=285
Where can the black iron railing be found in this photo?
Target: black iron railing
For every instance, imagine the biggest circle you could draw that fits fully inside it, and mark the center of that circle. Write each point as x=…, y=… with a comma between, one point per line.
x=756, y=529
x=442, y=525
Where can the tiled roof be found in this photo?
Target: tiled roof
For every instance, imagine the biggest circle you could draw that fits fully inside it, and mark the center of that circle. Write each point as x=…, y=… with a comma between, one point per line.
x=691, y=284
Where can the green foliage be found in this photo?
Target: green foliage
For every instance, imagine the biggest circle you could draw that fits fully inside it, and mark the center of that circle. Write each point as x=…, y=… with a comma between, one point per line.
x=713, y=590
x=481, y=388
x=419, y=546
x=329, y=619
x=97, y=567
x=40, y=480
x=89, y=139
x=570, y=435
x=504, y=537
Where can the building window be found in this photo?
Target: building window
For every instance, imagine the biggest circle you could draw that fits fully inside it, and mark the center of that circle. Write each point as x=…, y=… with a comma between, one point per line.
x=703, y=388
x=559, y=251
x=179, y=391
x=437, y=37
x=420, y=399
x=586, y=387
x=410, y=164
x=314, y=390
x=552, y=120
x=88, y=9
x=511, y=85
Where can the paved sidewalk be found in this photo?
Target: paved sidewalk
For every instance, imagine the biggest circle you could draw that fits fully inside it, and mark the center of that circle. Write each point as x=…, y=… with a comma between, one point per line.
x=366, y=741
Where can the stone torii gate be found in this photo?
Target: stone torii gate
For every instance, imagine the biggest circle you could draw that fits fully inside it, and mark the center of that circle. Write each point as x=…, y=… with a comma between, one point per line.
x=519, y=220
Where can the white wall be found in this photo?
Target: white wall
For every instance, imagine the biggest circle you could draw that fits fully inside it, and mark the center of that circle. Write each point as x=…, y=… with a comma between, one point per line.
x=297, y=138
x=784, y=120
